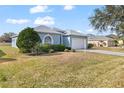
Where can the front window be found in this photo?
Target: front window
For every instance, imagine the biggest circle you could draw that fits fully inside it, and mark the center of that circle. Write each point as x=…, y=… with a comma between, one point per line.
x=48, y=40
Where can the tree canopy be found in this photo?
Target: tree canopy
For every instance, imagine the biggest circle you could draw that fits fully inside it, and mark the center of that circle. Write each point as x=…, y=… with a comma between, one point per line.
x=110, y=17
x=6, y=37
x=27, y=39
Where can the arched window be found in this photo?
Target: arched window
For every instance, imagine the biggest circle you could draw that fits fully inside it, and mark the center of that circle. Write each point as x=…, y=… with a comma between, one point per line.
x=48, y=40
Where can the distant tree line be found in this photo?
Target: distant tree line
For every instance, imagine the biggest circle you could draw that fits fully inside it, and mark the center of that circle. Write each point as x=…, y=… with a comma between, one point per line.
x=7, y=37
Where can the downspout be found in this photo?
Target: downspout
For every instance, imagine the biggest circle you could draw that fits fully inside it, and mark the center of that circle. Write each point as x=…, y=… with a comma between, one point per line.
x=70, y=41
x=60, y=39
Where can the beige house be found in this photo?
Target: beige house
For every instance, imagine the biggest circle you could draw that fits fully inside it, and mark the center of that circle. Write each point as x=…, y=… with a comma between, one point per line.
x=101, y=41
x=120, y=42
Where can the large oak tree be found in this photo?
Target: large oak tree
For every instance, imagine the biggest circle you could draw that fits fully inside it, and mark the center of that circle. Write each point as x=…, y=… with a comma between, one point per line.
x=109, y=17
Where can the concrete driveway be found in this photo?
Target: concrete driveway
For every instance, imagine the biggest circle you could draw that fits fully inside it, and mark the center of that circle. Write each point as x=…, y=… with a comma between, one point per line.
x=104, y=52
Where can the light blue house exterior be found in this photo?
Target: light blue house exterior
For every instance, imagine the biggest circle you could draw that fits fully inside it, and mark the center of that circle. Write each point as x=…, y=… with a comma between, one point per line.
x=14, y=39
x=49, y=35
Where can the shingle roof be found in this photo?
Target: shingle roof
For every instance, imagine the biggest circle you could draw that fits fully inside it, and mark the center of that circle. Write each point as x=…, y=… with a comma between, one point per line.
x=46, y=29
x=54, y=30
x=14, y=36
x=73, y=32
x=99, y=38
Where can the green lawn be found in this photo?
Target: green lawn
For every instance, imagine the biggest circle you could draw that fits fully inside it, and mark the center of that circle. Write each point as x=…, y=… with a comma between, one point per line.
x=67, y=69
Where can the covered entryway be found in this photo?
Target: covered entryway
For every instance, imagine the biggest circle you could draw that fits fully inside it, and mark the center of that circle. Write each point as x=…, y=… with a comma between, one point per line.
x=79, y=43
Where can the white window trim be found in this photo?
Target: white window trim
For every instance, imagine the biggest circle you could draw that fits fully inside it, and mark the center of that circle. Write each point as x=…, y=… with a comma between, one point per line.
x=49, y=36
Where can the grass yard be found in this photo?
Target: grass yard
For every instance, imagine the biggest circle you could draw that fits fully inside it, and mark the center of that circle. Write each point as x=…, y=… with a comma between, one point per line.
x=65, y=69
x=114, y=49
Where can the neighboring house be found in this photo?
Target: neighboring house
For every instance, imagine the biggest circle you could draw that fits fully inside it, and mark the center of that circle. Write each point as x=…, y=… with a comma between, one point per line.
x=101, y=41
x=117, y=38
x=70, y=38
x=14, y=39
x=120, y=42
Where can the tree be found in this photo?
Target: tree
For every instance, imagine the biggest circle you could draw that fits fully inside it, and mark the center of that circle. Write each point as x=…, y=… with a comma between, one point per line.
x=120, y=33
x=27, y=39
x=6, y=37
x=108, y=17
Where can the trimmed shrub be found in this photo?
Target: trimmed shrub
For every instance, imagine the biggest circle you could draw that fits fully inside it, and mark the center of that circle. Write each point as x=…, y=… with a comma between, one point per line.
x=90, y=46
x=66, y=50
x=45, y=48
x=27, y=39
x=54, y=47
x=69, y=48
x=58, y=47
x=37, y=48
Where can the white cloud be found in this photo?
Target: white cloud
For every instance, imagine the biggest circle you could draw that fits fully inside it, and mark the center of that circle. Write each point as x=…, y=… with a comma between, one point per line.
x=44, y=21
x=90, y=30
x=17, y=21
x=79, y=31
x=68, y=7
x=38, y=9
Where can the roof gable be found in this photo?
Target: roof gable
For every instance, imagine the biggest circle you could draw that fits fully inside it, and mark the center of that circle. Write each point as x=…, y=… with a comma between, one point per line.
x=54, y=30
x=46, y=29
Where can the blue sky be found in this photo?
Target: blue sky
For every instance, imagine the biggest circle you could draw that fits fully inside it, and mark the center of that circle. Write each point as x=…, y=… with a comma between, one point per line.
x=15, y=18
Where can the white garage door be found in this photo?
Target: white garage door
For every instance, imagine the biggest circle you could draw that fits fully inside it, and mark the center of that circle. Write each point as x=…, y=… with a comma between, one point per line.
x=78, y=43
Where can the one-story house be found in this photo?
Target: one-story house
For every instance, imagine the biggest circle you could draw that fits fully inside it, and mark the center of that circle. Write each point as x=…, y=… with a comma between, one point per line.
x=101, y=41
x=69, y=38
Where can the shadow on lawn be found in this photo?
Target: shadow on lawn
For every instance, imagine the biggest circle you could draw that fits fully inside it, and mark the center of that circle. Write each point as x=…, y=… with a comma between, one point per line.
x=46, y=54
x=52, y=54
x=4, y=59
x=2, y=53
